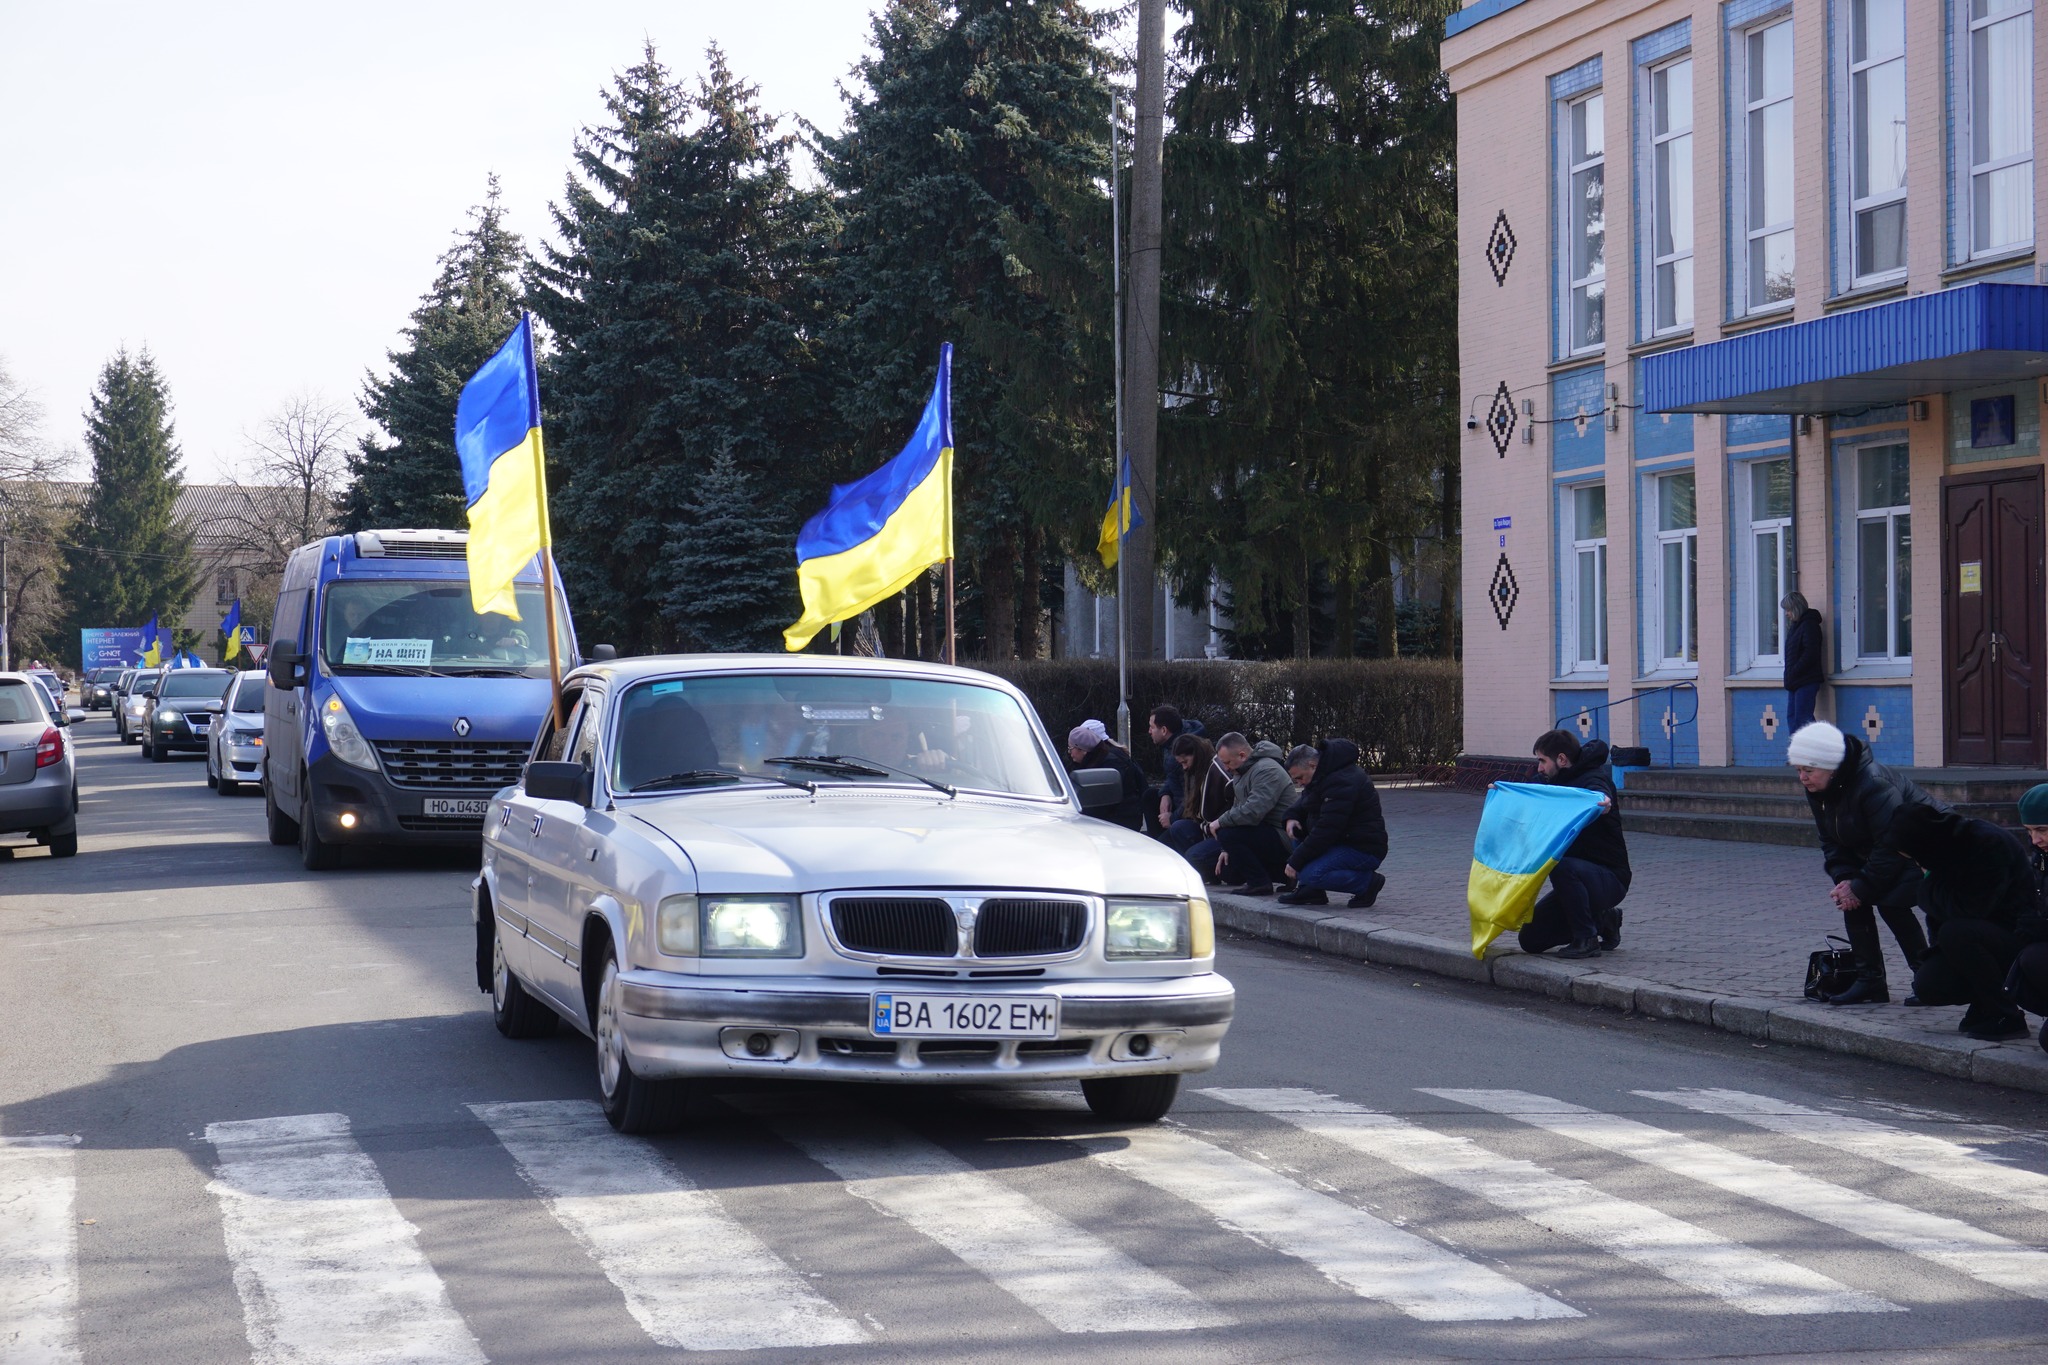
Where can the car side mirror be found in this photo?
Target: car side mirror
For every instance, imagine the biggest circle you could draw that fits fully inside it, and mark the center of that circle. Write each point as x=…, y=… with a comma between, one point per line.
x=558, y=782
x=286, y=667
x=603, y=654
x=1099, y=788
x=72, y=715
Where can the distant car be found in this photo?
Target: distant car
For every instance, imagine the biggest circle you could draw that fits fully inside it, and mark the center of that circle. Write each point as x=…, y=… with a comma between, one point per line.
x=234, y=752
x=52, y=683
x=96, y=693
x=38, y=774
x=182, y=713
x=135, y=695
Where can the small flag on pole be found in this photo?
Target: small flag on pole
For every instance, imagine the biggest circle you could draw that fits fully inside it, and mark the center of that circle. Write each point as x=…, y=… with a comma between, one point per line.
x=1524, y=829
x=231, y=626
x=497, y=434
x=152, y=654
x=1120, y=518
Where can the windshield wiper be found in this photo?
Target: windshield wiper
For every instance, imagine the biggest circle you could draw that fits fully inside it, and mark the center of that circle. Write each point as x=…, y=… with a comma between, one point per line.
x=857, y=767
x=696, y=775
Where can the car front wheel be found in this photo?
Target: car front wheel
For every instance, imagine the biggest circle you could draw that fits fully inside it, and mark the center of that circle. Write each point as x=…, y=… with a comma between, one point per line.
x=315, y=852
x=631, y=1103
x=517, y=1014
x=1131, y=1099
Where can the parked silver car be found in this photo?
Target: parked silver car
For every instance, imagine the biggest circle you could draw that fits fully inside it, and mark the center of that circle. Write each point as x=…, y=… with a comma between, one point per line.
x=38, y=773
x=836, y=869
x=234, y=750
x=134, y=705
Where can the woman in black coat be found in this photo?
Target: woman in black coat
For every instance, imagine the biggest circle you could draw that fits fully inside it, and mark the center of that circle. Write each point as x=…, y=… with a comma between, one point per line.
x=1805, y=662
x=1979, y=886
x=1090, y=746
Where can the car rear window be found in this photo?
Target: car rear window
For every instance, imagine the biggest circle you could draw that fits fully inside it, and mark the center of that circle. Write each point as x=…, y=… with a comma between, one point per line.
x=18, y=704
x=196, y=683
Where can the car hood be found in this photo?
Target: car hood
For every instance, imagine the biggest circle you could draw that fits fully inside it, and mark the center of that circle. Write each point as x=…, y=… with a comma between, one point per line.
x=499, y=710
x=784, y=841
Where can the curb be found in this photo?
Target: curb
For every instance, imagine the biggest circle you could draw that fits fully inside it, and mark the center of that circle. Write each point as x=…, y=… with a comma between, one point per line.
x=2017, y=1065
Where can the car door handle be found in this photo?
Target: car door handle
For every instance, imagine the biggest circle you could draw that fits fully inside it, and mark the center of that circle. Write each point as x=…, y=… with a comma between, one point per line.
x=529, y=881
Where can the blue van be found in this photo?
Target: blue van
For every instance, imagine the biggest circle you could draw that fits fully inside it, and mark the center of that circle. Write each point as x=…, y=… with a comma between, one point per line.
x=394, y=711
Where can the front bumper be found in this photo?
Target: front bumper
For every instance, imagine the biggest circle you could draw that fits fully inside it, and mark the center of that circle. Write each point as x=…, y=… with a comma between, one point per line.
x=818, y=1029
x=386, y=815
x=241, y=762
x=178, y=738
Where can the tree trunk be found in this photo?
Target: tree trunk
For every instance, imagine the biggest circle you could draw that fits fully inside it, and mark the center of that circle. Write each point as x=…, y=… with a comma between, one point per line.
x=892, y=613
x=1031, y=575
x=999, y=598
x=1304, y=609
x=927, y=629
x=1344, y=643
x=1141, y=335
x=1386, y=643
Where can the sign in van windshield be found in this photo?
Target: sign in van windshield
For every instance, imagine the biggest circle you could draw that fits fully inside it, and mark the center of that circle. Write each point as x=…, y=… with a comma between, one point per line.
x=412, y=653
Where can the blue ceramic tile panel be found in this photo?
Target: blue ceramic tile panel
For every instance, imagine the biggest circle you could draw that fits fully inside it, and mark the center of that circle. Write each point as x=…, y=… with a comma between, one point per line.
x=1881, y=717
x=1758, y=428
x=1576, y=706
x=1756, y=718
x=1667, y=723
x=1578, y=444
x=1585, y=76
x=1653, y=47
x=1661, y=434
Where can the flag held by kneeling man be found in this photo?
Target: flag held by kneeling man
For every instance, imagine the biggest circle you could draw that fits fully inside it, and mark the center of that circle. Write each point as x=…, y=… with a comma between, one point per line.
x=1523, y=830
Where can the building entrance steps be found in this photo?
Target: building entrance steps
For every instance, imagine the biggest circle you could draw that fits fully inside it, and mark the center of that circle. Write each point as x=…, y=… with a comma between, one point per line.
x=1766, y=806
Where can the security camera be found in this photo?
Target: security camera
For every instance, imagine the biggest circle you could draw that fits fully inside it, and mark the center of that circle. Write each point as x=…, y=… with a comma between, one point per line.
x=1471, y=424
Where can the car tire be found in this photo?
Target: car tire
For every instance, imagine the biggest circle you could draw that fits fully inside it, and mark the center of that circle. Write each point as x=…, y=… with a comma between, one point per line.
x=516, y=1013
x=211, y=780
x=1131, y=1099
x=632, y=1104
x=315, y=853
x=64, y=845
x=223, y=786
x=283, y=830
x=155, y=753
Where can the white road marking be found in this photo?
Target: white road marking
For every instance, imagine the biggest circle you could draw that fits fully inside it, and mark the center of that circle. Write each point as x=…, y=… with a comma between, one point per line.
x=38, y=1251
x=327, y=1267
x=1945, y=1241
x=1072, y=1279
x=692, y=1277
x=1953, y=1163
x=1366, y=1255
x=1751, y=1280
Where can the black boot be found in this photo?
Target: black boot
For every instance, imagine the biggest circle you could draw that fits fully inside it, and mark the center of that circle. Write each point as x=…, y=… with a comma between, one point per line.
x=1610, y=929
x=1364, y=899
x=1905, y=927
x=2000, y=1027
x=1869, y=986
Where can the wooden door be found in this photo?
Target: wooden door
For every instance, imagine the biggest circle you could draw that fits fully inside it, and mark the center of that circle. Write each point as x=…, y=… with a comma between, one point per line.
x=1992, y=618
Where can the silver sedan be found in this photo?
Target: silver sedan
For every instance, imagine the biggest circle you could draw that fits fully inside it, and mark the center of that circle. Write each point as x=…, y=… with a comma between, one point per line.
x=234, y=751
x=38, y=774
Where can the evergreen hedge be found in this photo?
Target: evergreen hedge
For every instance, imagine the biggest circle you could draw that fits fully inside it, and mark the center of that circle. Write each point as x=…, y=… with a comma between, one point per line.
x=1406, y=715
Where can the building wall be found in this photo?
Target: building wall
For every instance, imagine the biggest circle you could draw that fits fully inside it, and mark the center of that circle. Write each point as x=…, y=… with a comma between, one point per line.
x=1505, y=62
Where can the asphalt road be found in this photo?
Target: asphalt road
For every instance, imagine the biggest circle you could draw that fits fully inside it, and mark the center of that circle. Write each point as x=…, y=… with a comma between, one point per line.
x=239, y=1101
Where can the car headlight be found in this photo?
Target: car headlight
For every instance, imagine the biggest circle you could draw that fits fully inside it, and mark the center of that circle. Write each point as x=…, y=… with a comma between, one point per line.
x=750, y=926
x=342, y=736
x=167, y=716
x=1157, y=929
x=675, y=926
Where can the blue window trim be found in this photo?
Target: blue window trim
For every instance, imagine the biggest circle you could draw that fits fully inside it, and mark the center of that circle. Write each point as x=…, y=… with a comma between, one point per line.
x=1476, y=14
x=1576, y=80
x=1847, y=665
x=1565, y=86
x=1652, y=49
x=1645, y=528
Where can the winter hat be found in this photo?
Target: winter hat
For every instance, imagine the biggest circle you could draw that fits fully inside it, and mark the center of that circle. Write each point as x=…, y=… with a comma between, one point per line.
x=1819, y=745
x=1087, y=735
x=2034, y=806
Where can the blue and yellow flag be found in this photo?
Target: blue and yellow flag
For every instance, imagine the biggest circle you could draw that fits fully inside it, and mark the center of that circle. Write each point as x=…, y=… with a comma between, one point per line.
x=152, y=655
x=1523, y=830
x=497, y=434
x=230, y=626
x=1120, y=518
x=878, y=533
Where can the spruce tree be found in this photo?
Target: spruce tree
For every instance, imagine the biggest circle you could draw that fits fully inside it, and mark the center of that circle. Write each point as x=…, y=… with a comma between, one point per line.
x=129, y=558
x=729, y=565
x=411, y=476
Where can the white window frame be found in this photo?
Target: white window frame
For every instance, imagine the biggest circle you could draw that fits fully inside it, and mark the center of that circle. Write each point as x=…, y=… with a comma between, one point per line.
x=1656, y=540
x=1857, y=517
x=1746, y=236
x=1749, y=601
x=1963, y=28
x=1573, y=544
x=1567, y=170
x=1850, y=144
x=1654, y=262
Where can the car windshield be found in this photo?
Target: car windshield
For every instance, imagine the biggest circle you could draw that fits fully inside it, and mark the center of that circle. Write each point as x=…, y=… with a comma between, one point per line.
x=146, y=686
x=197, y=682
x=18, y=704
x=249, y=696
x=828, y=729
x=373, y=625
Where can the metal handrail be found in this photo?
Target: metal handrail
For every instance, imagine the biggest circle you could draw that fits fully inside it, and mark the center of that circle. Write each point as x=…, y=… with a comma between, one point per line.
x=1671, y=739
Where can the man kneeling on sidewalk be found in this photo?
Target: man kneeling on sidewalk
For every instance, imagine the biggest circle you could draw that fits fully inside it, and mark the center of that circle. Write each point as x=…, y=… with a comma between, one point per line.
x=1244, y=843
x=1341, y=837
x=1582, y=914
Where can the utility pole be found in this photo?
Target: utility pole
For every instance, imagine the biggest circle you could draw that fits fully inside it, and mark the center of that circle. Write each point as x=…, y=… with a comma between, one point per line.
x=6, y=624
x=1116, y=329
x=1141, y=368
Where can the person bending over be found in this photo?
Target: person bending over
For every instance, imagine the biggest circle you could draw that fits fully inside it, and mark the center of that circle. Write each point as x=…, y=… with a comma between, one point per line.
x=1244, y=842
x=1341, y=838
x=1978, y=886
x=2027, y=983
x=1581, y=915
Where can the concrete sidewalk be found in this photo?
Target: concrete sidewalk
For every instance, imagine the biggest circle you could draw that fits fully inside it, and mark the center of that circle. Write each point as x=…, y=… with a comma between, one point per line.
x=1715, y=933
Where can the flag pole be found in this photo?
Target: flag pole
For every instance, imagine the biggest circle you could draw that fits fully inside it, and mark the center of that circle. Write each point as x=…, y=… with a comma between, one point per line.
x=547, y=538
x=952, y=636
x=1123, y=690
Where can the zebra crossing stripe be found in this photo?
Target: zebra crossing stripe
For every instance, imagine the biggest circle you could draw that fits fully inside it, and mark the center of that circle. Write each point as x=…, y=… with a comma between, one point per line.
x=692, y=1277
x=326, y=1266
x=1072, y=1279
x=1370, y=1257
x=1751, y=1280
x=1948, y=1242
x=38, y=1251
x=1953, y=1163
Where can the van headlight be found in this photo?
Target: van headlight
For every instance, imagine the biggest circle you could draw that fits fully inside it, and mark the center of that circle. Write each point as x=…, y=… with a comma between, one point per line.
x=751, y=926
x=342, y=736
x=1151, y=929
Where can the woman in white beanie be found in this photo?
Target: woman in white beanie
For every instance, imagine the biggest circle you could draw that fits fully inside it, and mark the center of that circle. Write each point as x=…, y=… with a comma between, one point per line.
x=1857, y=805
x=1089, y=746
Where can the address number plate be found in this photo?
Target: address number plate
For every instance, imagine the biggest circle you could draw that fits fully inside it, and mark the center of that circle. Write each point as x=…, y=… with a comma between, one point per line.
x=451, y=805
x=900, y=1015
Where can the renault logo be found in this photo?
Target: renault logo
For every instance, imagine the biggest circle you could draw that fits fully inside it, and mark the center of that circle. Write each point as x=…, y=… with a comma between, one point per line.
x=462, y=726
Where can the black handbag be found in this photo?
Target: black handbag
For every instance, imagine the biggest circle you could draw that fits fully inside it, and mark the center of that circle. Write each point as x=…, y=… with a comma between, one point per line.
x=1830, y=971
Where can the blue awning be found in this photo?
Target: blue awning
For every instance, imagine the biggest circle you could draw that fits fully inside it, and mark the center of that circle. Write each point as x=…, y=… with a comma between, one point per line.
x=1870, y=357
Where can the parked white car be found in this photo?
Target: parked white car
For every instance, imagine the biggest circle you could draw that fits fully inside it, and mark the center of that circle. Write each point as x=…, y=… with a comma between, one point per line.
x=836, y=869
x=234, y=750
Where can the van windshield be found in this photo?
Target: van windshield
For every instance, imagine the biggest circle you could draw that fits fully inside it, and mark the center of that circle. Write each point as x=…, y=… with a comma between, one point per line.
x=377, y=625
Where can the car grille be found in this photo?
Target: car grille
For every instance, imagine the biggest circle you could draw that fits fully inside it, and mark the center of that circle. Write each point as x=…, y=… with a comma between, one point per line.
x=898, y=926
x=1029, y=928
x=452, y=765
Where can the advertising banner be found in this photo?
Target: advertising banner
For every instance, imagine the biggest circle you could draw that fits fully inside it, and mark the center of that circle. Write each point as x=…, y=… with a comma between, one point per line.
x=101, y=648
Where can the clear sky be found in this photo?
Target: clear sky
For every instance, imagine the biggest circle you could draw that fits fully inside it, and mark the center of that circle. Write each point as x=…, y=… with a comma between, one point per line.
x=258, y=192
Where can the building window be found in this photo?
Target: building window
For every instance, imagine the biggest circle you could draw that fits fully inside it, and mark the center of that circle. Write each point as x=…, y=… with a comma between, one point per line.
x=1584, y=618
x=224, y=586
x=1996, y=124
x=1877, y=138
x=1582, y=223
x=1670, y=217
x=1883, y=571
x=1763, y=567
x=1765, y=75
x=1677, y=570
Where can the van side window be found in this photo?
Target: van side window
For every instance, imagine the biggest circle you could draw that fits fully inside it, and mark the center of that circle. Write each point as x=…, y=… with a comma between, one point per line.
x=291, y=617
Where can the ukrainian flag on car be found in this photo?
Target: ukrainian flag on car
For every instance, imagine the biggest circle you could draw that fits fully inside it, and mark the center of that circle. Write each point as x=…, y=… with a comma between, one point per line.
x=878, y=533
x=1523, y=830
x=151, y=654
x=497, y=434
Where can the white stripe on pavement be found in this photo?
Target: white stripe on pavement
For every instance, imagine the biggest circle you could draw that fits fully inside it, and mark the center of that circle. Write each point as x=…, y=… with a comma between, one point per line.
x=1936, y=1158
x=327, y=1267
x=1751, y=1280
x=38, y=1251
x=1945, y=1241
x=1370, y=1257
x=692, y=1277
x=1072, y=1279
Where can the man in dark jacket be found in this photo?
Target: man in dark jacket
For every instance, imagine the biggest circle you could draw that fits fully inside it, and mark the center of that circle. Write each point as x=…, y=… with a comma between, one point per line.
x=1089, y=746
x=1856, y=803
x=1979, y=883
x=1244, y=843
x=1164, y=799
x=1805, y=668
x=1581, y=915
x=2027, y=982
x=1342, y=838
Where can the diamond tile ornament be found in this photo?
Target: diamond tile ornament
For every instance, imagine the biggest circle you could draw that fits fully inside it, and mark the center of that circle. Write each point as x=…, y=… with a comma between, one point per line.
x=1500, y=419
x=1580, y=422
x=1500, y=248
x=1769, y=722
x=1584, y=722
x=1873, y=724
x=1670, y=723
x=1504, y=593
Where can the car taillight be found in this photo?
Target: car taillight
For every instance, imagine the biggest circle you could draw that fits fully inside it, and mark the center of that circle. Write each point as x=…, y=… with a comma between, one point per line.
x=50, y=748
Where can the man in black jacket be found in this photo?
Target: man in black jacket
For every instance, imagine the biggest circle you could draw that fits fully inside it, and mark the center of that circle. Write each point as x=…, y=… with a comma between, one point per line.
x=1342, y=836
x=2027, y=982
x=1856, y=803
x=1805, y=667
x=1581, y=915
x=1979, y=885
